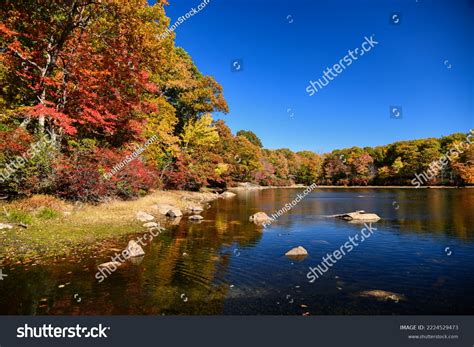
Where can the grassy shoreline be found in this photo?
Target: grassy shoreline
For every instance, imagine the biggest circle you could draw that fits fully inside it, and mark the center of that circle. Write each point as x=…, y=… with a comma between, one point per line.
x=56, y=228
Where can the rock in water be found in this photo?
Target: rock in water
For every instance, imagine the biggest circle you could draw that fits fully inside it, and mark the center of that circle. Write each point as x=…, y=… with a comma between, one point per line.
x=163, y=208
x=136, y=260
x=174, y=213
x=144, y=217
x=227, y=195
x=297, y=252
x=361, y=216
x=134, y=249
x=357, y=216
x=382, y=295
x=259, y=217
x=196, y=217
x=196, y=209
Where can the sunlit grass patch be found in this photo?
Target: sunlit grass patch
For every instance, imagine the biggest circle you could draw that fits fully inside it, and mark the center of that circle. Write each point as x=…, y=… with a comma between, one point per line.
x=47, y=213
x=17, y=216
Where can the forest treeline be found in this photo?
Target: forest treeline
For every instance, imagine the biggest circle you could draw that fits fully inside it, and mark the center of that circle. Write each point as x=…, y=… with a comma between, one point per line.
x=86, y=83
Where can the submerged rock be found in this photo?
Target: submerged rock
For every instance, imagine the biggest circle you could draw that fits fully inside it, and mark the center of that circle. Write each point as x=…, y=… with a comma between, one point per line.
x=299, y=251
x=259, y=217
x=174, y=213
x=136, y=260
x=144, y=217
x=382, y=295
x=111, y=265
x=134, y=249
x=196, y=217
x=196, y=209
x=227, y=195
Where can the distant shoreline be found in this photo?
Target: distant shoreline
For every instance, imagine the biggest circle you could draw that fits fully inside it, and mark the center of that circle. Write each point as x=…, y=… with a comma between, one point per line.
x=347, y=187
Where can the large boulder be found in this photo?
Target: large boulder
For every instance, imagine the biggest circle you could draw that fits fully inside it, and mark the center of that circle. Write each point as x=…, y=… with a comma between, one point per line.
x=227, y=195
x=299, y=251
x=144, y=217
x=174, y=213
x=134, y=249
x=357, y=216
x=260, y=217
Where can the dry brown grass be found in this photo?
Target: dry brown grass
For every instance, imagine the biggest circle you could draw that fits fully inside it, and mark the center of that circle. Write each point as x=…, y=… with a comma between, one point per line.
x=38, y=202
x=115, y=210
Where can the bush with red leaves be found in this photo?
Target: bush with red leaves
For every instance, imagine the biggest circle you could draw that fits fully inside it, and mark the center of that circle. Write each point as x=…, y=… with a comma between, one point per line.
x=80, y=176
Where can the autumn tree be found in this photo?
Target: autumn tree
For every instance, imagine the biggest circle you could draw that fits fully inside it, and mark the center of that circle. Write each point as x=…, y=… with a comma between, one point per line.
x=249, y=135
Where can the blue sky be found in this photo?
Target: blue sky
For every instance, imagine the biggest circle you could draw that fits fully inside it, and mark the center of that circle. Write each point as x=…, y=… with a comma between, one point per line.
x=408, y=68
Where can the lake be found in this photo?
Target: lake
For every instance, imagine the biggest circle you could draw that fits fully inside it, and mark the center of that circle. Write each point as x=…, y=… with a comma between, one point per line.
x=422, y=248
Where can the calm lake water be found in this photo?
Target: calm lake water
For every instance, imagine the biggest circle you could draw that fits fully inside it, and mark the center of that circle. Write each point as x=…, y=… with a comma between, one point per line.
x=423, y=248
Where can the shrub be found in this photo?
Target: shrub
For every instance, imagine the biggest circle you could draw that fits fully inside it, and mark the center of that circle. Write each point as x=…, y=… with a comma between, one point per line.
x=26, y=166
x=80, y=176
x=38, y=202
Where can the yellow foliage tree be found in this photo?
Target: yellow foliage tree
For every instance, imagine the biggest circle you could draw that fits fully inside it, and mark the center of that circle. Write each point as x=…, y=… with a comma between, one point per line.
x=199, y=133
